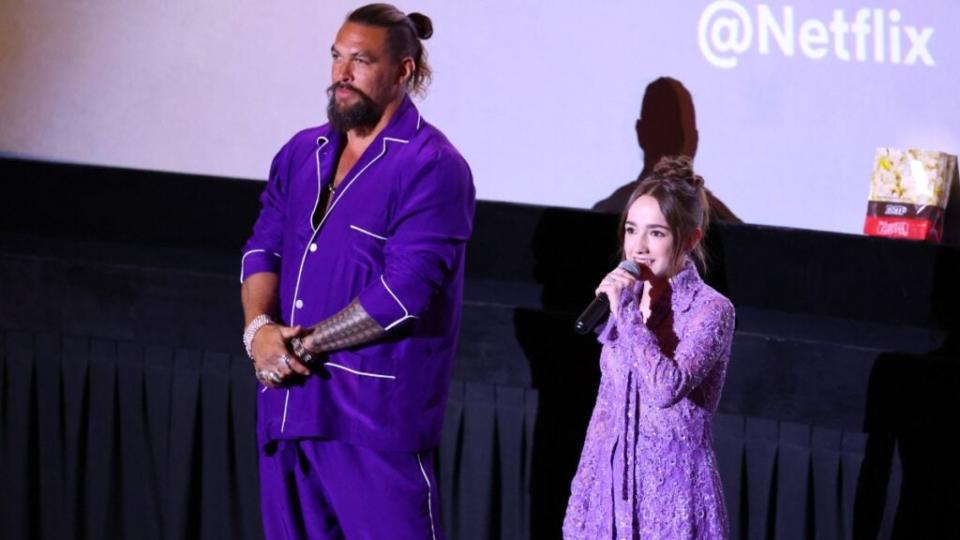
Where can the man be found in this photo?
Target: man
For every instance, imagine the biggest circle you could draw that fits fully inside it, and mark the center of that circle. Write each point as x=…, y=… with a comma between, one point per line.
x=667, y=127
x=358, y=255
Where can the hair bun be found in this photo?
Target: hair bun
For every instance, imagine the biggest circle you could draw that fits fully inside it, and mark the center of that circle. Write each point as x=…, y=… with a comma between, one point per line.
x=422, y=24
x=678, y=168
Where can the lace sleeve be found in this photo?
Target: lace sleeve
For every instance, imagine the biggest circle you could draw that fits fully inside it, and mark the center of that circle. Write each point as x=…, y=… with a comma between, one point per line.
x=707, y=339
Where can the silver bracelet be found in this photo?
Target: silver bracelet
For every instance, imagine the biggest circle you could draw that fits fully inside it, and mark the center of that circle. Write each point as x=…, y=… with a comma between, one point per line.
x=251, y=330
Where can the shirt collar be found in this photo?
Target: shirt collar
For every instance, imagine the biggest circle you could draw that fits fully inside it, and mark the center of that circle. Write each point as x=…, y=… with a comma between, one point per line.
x=405, y=122
x=684, y=286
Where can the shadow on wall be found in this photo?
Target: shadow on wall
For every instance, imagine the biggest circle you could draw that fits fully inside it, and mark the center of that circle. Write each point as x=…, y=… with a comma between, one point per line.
x=912, y=415
x=667, y=127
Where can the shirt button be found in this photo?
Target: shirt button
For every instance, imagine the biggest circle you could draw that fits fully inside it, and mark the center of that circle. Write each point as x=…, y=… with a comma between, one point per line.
x=299, y=304
x=313, y=247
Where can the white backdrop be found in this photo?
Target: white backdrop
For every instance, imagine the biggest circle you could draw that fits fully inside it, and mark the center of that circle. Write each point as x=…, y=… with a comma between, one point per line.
x=540, y=96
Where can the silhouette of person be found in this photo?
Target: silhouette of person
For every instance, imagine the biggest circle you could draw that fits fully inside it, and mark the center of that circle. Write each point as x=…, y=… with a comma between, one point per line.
x=667, y=127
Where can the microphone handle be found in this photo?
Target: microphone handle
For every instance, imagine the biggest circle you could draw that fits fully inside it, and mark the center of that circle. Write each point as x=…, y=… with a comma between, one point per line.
x=594, y=313
x=600, y=305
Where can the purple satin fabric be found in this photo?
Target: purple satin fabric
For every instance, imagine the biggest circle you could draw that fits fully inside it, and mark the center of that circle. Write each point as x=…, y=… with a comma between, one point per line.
x=394, y=237
x=327, y=490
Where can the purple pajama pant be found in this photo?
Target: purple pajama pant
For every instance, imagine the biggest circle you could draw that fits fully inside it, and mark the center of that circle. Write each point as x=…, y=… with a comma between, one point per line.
x=312, y=488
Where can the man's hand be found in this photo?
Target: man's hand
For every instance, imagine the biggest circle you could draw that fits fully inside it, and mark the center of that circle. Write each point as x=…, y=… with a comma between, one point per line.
x=270, y=353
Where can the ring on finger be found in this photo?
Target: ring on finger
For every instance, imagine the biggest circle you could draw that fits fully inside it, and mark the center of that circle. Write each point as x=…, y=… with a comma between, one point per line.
x=286, y=360
x=274, y=377
x=301, y=351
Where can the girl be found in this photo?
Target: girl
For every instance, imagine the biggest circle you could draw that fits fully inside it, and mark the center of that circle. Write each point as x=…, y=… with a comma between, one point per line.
x=647, y=469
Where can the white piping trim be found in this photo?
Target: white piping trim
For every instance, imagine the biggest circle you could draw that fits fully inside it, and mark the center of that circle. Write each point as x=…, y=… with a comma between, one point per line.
x=398, y=321
x=283, y=422
x=244, y=258
x=394, y=139
x=387, y=287
x=361, y=171
x=426, y=479
x=303, y=258
x=418, y=120
x=406, y=314
x=306, y=249
x=368, y=233
x=363, y=373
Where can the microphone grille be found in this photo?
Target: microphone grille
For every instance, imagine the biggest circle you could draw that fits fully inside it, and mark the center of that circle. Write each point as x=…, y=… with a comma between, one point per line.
x=631, y=267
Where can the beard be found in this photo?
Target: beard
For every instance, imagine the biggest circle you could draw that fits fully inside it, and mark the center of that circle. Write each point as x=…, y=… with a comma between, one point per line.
x=362, y=115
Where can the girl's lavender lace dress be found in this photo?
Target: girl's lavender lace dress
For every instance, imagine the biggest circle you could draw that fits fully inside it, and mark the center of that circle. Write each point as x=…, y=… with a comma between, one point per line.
x=648, y=469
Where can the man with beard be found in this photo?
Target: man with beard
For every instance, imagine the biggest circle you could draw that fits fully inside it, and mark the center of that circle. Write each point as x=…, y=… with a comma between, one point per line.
x=352, y=287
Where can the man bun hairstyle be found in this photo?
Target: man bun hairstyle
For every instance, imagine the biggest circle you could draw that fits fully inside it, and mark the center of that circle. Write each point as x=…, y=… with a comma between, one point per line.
x=683, y=202
x=404, y=35
x=421, y=25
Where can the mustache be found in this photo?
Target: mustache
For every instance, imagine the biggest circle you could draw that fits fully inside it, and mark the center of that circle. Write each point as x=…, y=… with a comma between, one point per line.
x=333, y=88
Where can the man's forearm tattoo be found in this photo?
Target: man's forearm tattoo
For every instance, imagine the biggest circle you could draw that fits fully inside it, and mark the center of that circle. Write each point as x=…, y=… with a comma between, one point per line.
x=350, y=326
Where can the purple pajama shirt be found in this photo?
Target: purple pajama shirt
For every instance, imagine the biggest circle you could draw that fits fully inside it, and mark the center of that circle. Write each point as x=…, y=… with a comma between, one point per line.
x=394, y=237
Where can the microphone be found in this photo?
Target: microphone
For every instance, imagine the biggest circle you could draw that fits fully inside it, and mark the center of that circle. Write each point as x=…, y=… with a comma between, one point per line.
x=600, y=305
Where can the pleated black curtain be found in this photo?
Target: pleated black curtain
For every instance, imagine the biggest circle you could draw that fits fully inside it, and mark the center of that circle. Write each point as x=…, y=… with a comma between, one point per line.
x=110, y=440
x=106, y=439
x=485, y=461
x=837, y=413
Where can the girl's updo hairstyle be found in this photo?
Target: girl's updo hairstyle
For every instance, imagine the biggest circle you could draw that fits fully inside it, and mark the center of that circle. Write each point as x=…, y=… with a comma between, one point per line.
x=404, y=35
x=683, y=202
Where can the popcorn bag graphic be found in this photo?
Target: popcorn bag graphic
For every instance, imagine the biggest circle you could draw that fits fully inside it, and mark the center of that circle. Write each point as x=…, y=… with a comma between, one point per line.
x=909, y=191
